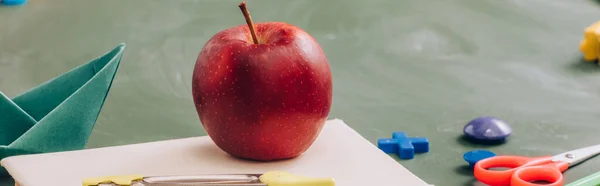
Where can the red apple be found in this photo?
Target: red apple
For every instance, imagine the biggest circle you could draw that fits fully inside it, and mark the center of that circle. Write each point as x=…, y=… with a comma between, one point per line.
x=265, y=101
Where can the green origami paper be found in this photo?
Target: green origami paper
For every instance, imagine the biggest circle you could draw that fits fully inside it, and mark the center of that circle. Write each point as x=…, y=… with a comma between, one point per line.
x=58, y=115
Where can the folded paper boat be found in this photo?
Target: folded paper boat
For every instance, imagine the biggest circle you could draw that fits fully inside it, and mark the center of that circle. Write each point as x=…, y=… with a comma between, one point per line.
x=58, y=115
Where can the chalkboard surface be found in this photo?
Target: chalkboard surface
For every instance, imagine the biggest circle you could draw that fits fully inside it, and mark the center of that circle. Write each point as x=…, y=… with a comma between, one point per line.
x=425, y=67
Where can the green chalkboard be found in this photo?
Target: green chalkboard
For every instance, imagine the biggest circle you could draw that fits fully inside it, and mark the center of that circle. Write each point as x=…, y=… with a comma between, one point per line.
x=425, y=67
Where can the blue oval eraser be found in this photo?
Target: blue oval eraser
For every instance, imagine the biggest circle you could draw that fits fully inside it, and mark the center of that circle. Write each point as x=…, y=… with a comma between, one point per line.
x=12, y=2
x=487, y=128
x=474, y=156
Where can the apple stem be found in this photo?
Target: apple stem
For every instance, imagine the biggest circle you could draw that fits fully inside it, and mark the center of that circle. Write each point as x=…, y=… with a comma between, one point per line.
x=244, y=9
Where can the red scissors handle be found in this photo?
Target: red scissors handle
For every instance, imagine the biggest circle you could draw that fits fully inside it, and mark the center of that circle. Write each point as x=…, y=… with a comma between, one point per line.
x=521, y=171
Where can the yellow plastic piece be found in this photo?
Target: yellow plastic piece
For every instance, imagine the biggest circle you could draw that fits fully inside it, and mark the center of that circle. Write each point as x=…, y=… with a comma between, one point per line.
x=119, y=180
x=278, y=178
x=590, y=45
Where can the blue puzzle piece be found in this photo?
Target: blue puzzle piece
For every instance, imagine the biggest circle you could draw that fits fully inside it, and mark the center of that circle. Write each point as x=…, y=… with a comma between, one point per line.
x=407, y=150
x=388, y=145
x=404, y=146
x=472, y=157
x=399, y=135
x=12, y=2
x=421, y=144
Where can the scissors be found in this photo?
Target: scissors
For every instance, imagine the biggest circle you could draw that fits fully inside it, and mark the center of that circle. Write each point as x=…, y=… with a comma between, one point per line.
x=272, y=178
x=524, y=170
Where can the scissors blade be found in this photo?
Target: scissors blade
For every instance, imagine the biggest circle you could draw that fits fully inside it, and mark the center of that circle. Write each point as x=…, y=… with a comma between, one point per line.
x=202, y=184
x=197, y=180
x=578, y=155
x=205, y=180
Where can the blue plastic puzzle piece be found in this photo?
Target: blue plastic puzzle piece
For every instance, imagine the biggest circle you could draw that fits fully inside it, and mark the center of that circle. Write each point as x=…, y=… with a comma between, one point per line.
x=388, y=145
x=407, y=150
x=399, y=135
x=402, y=145
x=421, y=144
x=472, y=157
x=12, y=2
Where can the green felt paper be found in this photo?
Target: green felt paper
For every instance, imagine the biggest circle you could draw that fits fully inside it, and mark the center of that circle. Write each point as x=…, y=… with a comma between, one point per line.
x=58, y=115
x=591, y=180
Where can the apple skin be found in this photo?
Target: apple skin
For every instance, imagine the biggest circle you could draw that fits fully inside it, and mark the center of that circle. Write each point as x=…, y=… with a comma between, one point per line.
x=266, y=101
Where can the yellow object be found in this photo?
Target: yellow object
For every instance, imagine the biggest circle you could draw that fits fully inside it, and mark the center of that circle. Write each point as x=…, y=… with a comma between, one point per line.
x=277, y=178
x=119, y=180
x=590, y=45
